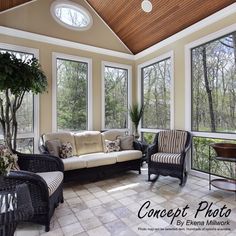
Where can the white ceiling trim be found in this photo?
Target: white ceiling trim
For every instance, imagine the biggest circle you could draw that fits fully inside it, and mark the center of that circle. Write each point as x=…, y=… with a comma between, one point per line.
x=63, y=43
x=21, y=5
x=231, y=9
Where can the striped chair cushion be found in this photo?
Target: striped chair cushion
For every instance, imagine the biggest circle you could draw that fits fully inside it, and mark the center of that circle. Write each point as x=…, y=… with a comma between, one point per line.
x=53, y=179
x=171, y=141
x=169, y=158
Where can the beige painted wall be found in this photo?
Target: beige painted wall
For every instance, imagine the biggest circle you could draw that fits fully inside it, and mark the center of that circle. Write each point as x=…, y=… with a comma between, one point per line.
x=45, y=57
x=35, y=17
x=179, y=64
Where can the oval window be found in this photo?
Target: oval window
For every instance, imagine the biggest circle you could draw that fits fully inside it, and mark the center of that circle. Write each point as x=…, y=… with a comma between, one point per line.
x=71, y=15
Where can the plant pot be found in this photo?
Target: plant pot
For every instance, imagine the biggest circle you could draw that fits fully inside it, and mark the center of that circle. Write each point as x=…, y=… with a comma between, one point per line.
x=136, y=133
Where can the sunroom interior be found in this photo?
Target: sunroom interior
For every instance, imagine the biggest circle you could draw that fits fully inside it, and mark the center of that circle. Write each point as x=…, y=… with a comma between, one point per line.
x=178, y=60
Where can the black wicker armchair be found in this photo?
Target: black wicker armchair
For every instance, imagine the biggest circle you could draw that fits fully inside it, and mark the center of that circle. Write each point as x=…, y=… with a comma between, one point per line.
x=44, y=176
x=166, y=156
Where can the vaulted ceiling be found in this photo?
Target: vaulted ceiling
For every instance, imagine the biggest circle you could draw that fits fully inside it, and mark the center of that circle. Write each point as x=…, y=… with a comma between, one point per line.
x=139, y=30
x=7, y=4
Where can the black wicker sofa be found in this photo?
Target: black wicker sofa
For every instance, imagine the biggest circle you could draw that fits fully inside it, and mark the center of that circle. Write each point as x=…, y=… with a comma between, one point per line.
x=95, y=164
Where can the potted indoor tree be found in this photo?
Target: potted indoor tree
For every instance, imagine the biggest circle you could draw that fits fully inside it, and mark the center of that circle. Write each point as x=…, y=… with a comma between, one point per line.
x=17, y=77
x=136, y=113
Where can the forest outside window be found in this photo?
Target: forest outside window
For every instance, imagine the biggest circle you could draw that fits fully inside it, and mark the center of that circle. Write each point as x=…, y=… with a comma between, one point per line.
x=156, y=83
x=213, y=109
x=26, y=115
x=116, y=96
x=72, y=94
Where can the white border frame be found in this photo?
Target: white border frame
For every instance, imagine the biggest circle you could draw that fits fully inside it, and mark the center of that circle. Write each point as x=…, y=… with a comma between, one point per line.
x=172, y=104
x=56, y=55
x=74, y=6
x=121, y=66
x=35, y=134
x=188, y=91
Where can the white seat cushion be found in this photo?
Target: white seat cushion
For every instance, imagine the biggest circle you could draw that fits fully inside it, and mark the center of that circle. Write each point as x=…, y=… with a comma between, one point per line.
x=169, y=158
x=128, y=155
x=99, y=159
x=73, y=163
x=53, y=180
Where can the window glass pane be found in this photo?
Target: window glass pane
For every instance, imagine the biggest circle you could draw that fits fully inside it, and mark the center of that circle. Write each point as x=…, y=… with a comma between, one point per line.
x=25, y=114
x=200, y=158
x=156, y=84
x=25, y=145
x=148, y=137
x=72, y=86
x=214, y=86
x=72, y=17
x=116, y=98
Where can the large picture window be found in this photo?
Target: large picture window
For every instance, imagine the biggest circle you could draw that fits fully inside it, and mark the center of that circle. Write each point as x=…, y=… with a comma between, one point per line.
x=156, y=83
x=213, y=99
x=27, y=115
x=71, y=93
x=116, y=96
x=214, y=85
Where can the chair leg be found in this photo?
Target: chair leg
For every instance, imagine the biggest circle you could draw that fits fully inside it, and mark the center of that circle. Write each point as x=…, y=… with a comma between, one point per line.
x=183, y=180
x=47, y=227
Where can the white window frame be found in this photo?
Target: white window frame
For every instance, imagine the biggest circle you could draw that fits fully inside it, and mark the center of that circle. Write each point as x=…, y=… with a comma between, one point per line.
x=121, y=66
x=172, y=105
x=188, y=92
x=55, y=56
x=35, y=134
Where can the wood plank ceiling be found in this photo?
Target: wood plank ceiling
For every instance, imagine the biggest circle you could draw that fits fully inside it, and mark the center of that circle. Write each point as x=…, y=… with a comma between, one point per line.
x=140, y=30
x=7, y=4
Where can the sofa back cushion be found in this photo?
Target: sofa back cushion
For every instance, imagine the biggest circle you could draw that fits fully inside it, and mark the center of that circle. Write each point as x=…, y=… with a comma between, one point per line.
x=88, y=142
x=63, y=137
x=110, y=135
x=172, y=141
x=126, y=142
x=53, y=147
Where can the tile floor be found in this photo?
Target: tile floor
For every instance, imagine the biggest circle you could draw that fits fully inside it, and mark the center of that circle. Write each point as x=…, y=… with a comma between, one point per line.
x=110, y=207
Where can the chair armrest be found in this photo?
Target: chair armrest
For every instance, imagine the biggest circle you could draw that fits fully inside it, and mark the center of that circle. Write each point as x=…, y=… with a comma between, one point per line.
x=141, y=146
x=43, y=149
x=36, y=183
x=151, y=150
x=39, y=162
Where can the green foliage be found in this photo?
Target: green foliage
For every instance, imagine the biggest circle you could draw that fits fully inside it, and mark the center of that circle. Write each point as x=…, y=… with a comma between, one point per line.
x=149, y=137
x=116, y=97
x=200, y=157
x=156, y=95
x=71, y=95
x=136, y=113
x=20, y=76
x=214, y=67
x=17, y=77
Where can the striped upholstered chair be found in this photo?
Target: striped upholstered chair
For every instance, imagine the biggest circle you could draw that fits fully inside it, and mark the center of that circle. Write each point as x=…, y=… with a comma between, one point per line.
x=166, y=156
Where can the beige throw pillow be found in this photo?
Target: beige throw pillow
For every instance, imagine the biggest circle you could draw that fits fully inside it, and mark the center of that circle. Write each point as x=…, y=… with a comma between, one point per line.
x=126, y=142
x=53, y=147
x=66, y=150
x=112, y=146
